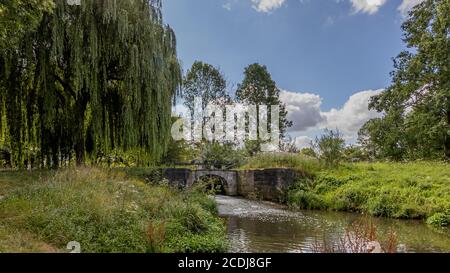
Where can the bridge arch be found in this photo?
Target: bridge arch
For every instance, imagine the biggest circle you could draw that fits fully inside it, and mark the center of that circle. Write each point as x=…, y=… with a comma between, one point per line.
x=213, y=182
x=227, y=179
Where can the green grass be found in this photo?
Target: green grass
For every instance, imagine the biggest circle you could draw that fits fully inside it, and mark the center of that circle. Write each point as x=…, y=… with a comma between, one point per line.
x=106, y=211
x=12, y=180
x=303, y=164
x=418, y=190
x=415, y=190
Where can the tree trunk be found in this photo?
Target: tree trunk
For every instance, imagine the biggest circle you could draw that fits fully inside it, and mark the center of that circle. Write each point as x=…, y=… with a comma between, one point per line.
x=447, y=136
x=80, y=142
x=79, y=149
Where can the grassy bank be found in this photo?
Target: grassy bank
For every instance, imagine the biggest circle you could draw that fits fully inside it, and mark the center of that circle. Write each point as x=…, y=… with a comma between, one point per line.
x=106, y=211
x=303, y=164
x=418, y=190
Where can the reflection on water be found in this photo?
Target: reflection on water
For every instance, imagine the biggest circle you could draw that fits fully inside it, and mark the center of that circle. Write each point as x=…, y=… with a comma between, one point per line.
x=266, y=227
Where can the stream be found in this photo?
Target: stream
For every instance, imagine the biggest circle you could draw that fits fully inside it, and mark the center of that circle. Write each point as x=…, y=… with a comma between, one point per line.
x=264, y=227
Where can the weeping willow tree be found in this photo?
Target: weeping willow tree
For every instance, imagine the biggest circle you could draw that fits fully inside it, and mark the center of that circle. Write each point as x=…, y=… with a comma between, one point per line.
x=90, y=79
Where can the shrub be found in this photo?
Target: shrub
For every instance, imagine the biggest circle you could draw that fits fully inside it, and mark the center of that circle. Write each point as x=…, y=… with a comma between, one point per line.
x=221, y=156
x=305, y=200
x=439, y=220
x=382, y=205
x=329, y=147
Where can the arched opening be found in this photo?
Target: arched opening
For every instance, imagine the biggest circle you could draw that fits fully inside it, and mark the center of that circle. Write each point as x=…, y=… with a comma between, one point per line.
x=213, y=184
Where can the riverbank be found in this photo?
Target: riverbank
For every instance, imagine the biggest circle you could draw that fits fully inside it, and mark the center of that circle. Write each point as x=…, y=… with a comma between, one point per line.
x=394, y=190
x=105, y=211
x=415, y=190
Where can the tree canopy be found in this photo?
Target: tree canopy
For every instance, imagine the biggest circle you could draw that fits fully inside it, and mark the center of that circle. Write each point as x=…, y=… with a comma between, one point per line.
x=258, y=88
x=206, y=82
x=416, y=123
x=17, y=17
x=88, y=79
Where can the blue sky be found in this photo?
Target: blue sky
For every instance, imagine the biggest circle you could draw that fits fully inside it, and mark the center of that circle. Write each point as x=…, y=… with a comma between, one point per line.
x=322, y=52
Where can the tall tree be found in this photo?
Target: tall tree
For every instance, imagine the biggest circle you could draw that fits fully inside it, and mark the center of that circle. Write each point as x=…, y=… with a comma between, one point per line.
x=91, y=78
x=206, y=82
x=18, y=17
x=258, y=88
x=417, y=104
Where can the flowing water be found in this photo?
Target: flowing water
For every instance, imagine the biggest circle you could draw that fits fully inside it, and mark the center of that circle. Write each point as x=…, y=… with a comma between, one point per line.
x=258, y=227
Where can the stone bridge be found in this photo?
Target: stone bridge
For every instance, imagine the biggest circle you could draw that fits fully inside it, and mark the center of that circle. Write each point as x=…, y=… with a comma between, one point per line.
x=266, y=184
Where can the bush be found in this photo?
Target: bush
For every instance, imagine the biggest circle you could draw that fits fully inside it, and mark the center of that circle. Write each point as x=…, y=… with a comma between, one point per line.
x=221, y=156
x=305, y=200
x=382, y=205
x=439, y=220
x=329, y=147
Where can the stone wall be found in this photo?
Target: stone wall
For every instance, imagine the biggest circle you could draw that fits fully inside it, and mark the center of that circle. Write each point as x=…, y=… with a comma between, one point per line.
x=266, y=184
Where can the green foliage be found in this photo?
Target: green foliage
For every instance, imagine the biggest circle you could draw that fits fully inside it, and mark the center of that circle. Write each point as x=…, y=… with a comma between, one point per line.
x=178, y=152
x=89, y=80
x=308, y=152
x=397, y=190
x=289, y=146
x=303, y=199
x=306, y=165
x=19, y=17
x=206, y=82
x=439, y=220
x=330, y=147
x=108, y=212
x=252, y=147
x=416, y=124
x=258, y=88
x=221, y=155
x=355, y=154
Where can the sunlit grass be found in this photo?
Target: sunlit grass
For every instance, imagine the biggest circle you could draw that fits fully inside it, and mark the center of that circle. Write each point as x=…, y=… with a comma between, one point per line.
x=106, y=211
x=416, y=190
x=304, y=164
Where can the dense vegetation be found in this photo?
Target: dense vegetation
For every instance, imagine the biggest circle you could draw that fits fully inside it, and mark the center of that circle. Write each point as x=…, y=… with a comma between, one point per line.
x=415, y=190
x=106, y=211
x=416, y=107
x=85, y=80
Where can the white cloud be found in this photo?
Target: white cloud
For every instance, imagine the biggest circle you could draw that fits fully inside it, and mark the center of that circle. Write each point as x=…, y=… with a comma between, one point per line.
x=302, y=142
x=358, y=6
x=267, y=5
x=352, y=115
x=303, y=109
x=308, y=118
x=407, y=5
x=227, y=6
x=367, y=6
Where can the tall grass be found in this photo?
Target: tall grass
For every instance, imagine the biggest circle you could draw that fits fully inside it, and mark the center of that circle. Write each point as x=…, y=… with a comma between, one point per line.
x=303, y=164
x=417, y=190
x=106, y=211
